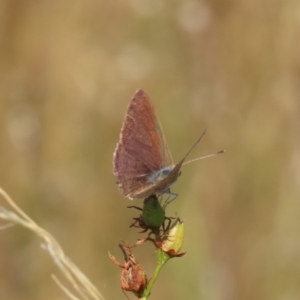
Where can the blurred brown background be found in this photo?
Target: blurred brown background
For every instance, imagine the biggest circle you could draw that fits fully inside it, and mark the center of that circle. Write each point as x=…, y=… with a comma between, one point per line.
x=68, y=70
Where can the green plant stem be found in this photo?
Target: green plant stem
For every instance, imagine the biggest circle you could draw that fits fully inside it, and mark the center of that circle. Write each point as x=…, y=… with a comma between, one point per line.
x=162, y=258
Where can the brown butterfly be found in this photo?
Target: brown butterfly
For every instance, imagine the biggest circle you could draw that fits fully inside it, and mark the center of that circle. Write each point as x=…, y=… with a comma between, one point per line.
x=142, y=161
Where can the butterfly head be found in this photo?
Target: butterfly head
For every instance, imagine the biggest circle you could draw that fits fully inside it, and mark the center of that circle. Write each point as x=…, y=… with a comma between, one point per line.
x=160, y=174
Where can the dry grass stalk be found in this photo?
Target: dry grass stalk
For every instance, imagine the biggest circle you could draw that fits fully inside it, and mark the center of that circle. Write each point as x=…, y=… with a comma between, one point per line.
x=81, y=284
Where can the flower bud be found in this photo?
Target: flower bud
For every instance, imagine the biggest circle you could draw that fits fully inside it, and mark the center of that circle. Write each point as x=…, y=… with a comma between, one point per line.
x=173, y=241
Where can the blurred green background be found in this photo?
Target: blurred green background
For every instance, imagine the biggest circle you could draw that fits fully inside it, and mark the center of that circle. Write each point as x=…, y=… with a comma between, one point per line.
x=68, y=71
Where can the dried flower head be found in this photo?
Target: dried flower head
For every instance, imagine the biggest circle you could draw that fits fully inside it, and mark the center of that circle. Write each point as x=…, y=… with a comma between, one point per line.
x=133, y=277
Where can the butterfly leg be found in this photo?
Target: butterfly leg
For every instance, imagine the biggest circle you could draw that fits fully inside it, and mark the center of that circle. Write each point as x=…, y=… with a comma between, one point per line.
x=171, y=197
x=136, y=207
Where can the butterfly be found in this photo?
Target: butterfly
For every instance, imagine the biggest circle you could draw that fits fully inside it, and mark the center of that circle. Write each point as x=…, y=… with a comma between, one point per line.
x=142, y=161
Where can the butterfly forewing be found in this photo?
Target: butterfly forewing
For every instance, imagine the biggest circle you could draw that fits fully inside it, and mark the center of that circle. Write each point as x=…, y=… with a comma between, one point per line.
x=142, y=148
x=125, y=171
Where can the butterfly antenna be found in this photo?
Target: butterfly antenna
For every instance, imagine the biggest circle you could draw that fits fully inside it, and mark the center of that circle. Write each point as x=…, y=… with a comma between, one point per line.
x=199, y=139
x=206, y=156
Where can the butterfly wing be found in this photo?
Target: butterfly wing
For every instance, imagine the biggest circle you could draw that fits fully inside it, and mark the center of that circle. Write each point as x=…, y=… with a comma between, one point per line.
x=142, y=148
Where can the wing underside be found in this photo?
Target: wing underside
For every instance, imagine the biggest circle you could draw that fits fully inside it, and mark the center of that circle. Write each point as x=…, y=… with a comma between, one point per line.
x=142, y=148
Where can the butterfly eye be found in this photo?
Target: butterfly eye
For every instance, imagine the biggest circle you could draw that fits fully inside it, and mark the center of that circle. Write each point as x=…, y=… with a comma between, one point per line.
x=165, y=172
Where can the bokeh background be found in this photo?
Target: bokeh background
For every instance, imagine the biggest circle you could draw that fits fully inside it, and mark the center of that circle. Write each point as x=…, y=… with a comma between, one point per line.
x=68, y=70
